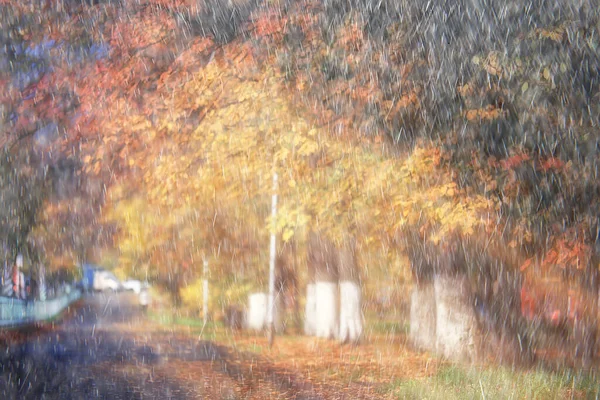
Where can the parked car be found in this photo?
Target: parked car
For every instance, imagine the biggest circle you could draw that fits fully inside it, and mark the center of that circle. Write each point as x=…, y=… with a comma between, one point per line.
x=106, y=280
x=87, y=281
x=132, y=284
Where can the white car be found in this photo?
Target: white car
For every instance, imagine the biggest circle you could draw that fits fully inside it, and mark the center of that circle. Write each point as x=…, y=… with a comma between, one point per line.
x=106, y=280
x=132, y=284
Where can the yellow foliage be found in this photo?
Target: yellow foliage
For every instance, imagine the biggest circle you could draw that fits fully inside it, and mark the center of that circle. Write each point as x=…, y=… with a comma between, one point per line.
x=224, y=168
x=221, y=294
x=192, y=296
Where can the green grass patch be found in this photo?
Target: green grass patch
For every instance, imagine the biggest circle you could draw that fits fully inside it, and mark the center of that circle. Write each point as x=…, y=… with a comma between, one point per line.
x=453, y=382
x=387, y=327
x=212, y=330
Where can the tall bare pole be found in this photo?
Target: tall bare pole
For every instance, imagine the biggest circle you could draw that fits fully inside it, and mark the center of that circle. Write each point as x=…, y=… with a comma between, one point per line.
x=271, y=301
x=205, y=291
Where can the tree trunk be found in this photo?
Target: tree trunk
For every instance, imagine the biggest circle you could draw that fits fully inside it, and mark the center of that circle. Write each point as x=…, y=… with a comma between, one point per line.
x=327, y=309
x=205, y=291
x=278, y=314
x=350, y=312
x=423, y=316
x=176, y=295
x=350, y=294
x=6, y=289
x=456, y=324
x=310, y=308
x=41, y=293
x=322, y=256
x=310, y=311
x=295, y=289
x=272, y=257
x=173, y=284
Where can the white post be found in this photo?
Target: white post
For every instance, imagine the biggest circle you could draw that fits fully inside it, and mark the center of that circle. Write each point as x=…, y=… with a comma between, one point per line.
x=19, y=284
x=205, y=292
x=271, y=300
x=42, y=282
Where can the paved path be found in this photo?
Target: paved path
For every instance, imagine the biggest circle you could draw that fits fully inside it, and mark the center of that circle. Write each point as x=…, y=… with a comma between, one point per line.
x=106, y=349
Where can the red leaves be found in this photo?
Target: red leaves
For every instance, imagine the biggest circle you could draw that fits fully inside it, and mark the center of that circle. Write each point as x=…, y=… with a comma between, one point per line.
x=100, y=67
x=553, y=302
x=508, y=163
x=551, y=163
x=528, y=304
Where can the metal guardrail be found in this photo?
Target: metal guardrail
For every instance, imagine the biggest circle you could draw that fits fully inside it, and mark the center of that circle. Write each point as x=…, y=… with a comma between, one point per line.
x=16, y=312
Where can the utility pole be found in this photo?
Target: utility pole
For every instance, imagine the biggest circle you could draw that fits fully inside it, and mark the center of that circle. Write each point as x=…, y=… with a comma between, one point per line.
x=205, y=291
x=271, y=299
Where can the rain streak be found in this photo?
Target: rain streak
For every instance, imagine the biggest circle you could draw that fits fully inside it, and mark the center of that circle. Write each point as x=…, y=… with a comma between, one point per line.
x=299, y=199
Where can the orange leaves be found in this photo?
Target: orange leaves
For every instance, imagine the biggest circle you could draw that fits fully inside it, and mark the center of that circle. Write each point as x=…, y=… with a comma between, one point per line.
x=302, y=83
x=408, y=100
x=363, y=92
x=422, y=162
x=270, y=23
x=555, y=34
x=351, y=37
x=521, y=235
x=157, y=53
x=172, y=4
x=142, y=29
x=196, y=55
x=494, y=63
x=488, y=113
x=526, y=264
x=241, y=55
x=465, y=90
x=567, y=254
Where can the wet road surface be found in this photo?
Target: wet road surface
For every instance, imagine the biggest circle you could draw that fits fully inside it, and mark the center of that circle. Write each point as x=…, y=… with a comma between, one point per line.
x=105, y=348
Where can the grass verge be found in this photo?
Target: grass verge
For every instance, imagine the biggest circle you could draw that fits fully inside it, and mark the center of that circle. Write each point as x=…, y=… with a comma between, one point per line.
x=455, y=382
x=392, y=368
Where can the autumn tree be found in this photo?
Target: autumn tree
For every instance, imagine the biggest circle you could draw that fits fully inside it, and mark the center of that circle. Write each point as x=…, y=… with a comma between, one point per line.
x=23, y=190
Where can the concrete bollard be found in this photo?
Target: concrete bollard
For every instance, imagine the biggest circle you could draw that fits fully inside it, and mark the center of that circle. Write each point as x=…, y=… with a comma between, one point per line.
x=256, y=313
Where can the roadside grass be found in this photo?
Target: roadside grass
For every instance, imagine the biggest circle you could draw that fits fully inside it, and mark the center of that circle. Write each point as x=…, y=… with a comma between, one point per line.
x=456, y=382
x=385, y=361
x=386, y=327
x=212, y=330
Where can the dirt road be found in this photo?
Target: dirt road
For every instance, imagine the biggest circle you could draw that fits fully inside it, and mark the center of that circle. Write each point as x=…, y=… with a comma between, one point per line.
x=105, y=348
